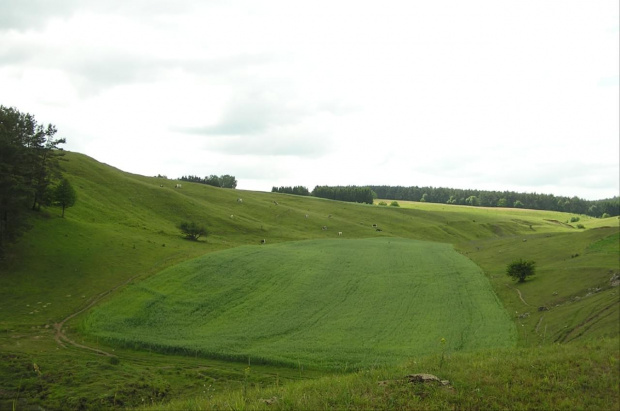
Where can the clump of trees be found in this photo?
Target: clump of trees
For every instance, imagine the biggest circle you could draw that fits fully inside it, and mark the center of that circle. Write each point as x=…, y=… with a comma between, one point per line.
x=297, y=190
x=29, y=154
x=223, y=181
x=521, y=269
x=352, y=194
x=575, y=205
x=192, y=230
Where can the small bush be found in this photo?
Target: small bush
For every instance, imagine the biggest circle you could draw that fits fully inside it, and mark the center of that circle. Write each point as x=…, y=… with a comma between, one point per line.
x=394, y=204
x=574, y=219
x=382, y=203
x=581, y=226
x=192, y=231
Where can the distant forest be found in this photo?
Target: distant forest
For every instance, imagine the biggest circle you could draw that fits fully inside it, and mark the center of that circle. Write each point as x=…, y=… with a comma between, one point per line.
x=599, y=208
x=223, y=181
x=353, y=194
x=366, y=194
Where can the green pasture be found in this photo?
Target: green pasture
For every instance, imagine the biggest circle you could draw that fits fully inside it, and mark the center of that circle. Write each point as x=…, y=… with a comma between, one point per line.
x=120, y=239
x=320, y=303
x=572, y=295
x=580, y=376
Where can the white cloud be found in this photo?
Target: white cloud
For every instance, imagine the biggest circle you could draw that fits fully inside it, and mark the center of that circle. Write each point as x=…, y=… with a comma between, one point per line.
x=498, y=95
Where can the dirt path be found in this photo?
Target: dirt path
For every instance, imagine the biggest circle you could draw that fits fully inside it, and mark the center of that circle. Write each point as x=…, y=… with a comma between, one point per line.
x=585, y=324
x=60, y=336
x=520, y=296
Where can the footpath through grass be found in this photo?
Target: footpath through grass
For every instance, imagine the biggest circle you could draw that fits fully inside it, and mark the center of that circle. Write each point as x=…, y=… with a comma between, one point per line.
x=321, y=303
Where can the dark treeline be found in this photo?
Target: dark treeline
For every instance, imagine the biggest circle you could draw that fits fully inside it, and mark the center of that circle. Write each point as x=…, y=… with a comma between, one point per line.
x=297, y=190
x=223, y=181
x=599, y=208
x=353, y=194
x=28, y=165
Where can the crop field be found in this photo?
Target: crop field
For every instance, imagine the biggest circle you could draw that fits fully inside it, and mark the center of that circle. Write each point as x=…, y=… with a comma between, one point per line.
x=319, y=303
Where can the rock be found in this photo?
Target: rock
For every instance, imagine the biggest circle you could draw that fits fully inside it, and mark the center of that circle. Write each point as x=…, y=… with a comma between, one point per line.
x=269, y=401
x=423, y=378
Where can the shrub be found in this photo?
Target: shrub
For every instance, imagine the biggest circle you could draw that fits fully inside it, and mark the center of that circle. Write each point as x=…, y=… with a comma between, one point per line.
x=574, y=219
x=521, y=269
x=192, y=231
x=394, y=204
x=382, y=203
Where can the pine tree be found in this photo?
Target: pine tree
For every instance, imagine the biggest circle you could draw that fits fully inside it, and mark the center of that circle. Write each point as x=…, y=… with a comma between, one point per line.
x=64, y=195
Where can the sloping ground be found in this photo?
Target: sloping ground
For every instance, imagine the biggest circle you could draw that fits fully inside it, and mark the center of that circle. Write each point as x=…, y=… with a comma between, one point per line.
x=325, y=303
x=124, y=225
x=581, y=376
x=571, y=297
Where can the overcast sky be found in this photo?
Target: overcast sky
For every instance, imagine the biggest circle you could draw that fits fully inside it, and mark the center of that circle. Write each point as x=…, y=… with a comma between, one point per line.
x=498, y=95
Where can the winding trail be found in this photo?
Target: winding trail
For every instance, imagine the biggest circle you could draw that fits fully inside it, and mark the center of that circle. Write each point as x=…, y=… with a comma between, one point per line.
x=59, y=334
x=575, y=332
x=520, y=296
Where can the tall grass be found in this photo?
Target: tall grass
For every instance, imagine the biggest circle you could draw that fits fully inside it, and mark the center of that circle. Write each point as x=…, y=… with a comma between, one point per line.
x=566, y=377
x=322, y=303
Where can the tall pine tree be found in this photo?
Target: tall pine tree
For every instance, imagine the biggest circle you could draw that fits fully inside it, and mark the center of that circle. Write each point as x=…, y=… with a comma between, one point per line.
x=28, y=161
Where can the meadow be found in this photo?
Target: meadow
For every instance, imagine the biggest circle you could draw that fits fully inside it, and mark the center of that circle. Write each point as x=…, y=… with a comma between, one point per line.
x=120, y=240
x=319, y=303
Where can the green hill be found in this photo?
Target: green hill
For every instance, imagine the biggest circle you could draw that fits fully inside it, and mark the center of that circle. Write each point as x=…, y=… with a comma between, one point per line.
x=321, y=303
x=123, y=230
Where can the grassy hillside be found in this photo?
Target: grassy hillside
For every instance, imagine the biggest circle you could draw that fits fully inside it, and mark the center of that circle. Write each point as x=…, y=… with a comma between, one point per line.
x=566, y=377
x=123, y=230
x=320, y=303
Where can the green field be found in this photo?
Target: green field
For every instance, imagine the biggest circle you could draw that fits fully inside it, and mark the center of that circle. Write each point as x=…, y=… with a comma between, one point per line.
x=320, y=303
x=375, y=301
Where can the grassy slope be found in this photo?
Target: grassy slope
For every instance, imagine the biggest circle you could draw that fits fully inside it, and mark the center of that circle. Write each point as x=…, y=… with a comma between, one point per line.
x=124, y=226
x=558, y=377
x=321, y=303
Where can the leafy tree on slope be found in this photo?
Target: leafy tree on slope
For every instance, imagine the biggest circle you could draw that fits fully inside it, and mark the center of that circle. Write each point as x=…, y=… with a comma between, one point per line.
x=64, y=195
x=521, y=269
x=191, y=230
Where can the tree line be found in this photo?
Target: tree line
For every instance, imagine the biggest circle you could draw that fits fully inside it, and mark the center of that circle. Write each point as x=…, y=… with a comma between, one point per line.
x=223, y=181
x=353, y=194
x=597, y=208
x=297, y=190
x=29, y=154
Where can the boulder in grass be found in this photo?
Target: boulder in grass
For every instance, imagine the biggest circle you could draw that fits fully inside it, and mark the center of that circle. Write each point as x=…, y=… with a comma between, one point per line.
x=422, y=378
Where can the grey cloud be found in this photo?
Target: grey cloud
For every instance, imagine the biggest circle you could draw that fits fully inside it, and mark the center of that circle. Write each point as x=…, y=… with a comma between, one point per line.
x=265, y=122
x=308, y=146
x=537, y=176
x=27, y=14
x=24, y=14
x=255, y=111
x=93, y=68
